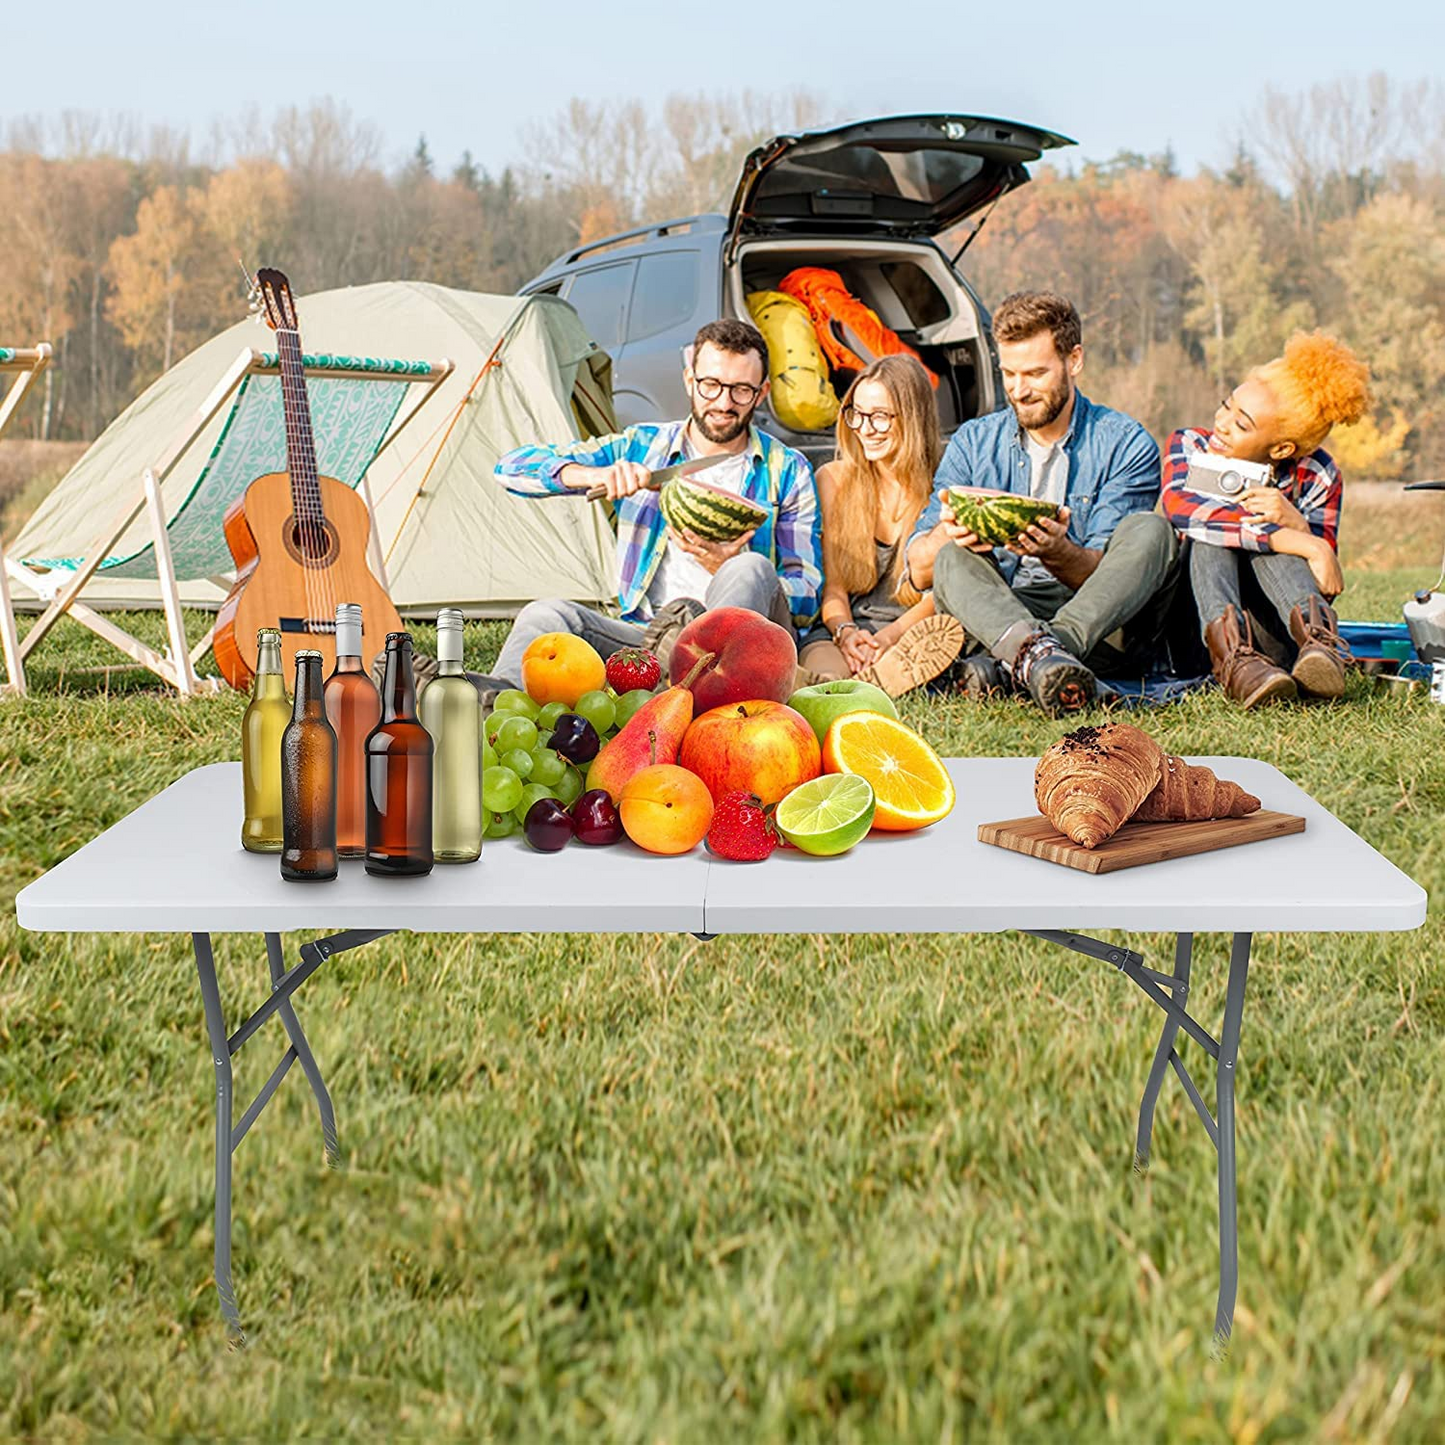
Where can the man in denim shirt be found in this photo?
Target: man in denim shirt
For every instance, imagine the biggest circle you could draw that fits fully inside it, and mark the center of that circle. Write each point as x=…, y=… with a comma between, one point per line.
x=1082, y=594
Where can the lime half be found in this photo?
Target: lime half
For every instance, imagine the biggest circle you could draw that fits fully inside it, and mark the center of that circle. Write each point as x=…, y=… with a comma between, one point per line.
x=828, y=815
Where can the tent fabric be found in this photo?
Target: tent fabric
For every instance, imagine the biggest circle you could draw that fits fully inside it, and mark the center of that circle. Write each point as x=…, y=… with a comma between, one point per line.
x=459, y=540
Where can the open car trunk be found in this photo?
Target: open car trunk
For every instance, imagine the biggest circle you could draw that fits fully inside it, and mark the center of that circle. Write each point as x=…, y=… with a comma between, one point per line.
x=913, y=290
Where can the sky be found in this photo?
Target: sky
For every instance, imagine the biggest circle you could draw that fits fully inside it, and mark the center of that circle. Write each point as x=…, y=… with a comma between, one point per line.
x=1114, y=76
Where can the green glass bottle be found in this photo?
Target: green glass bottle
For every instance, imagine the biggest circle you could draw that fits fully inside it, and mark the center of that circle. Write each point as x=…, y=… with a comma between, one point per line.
x=450, y=713
x=267, y=715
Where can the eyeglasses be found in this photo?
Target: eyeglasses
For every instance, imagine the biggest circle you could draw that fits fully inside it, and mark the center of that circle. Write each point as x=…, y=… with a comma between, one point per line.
x=710, y=388
x=880, y=422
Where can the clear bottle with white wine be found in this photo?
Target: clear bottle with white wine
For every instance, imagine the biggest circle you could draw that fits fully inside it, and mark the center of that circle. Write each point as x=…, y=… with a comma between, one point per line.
x=450, y=713
x=266, y=717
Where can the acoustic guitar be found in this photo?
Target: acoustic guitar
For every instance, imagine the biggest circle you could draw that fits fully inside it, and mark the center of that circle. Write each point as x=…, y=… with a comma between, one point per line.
x=298, y=539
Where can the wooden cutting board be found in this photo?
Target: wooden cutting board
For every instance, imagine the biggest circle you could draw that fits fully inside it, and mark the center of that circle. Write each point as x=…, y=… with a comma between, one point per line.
x=1136, y=843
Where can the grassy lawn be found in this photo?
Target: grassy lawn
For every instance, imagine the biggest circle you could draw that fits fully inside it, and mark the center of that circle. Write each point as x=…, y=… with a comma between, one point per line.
x=646, y=1188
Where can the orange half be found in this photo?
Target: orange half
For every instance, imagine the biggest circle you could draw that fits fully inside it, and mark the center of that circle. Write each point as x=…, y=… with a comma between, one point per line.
x=909, y=780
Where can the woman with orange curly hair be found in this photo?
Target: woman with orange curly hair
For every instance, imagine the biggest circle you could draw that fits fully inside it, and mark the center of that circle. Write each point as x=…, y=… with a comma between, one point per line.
x=1272, y=549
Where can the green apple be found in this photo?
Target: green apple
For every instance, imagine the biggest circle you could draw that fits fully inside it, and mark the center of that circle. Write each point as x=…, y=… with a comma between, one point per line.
x=824, y=701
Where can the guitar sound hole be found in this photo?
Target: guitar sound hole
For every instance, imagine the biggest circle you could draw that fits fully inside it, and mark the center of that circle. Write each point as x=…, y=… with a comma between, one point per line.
x=312, y=544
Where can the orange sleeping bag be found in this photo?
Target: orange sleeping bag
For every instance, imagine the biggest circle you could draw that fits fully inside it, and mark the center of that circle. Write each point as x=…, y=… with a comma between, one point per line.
x=846, y=327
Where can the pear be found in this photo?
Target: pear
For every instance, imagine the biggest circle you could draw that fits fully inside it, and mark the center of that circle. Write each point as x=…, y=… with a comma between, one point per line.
x=653, y=734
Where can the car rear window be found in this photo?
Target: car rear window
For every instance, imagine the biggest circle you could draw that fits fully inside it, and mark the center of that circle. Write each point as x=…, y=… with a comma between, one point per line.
x=891, y=180
x=665, y=293
x=600, y=297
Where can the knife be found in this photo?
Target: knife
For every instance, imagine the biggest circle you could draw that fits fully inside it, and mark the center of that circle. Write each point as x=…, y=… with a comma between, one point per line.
x=666, y=474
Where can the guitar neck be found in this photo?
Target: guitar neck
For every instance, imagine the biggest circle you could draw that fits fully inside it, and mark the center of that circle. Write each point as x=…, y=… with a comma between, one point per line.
x=300, y=445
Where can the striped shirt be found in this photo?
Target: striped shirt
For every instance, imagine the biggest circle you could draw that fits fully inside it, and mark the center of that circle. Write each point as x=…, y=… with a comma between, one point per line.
x=778, y=478
x=1312, y=483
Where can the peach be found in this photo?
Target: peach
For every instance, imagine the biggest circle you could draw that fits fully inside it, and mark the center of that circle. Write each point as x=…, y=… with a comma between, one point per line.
x=760, y=746
x=558, y=667
x=666, y=809
x=755, y=657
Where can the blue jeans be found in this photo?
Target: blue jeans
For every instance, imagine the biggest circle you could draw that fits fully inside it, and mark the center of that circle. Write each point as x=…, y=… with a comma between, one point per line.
x=747, y=580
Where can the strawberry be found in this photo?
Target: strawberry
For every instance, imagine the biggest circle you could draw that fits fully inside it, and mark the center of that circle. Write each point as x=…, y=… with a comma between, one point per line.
x=742, y=828
x=633, y=667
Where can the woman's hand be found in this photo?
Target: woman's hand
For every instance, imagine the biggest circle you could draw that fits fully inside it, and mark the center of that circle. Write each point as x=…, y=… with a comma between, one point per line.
x=1269, y=504
x=859, y=649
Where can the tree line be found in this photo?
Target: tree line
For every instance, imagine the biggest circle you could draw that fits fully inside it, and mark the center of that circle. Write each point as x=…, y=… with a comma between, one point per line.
x=122, y=244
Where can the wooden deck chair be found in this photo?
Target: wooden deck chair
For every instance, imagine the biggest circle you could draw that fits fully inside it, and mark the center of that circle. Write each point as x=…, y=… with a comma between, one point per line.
x=355, y=402
x=25, y=363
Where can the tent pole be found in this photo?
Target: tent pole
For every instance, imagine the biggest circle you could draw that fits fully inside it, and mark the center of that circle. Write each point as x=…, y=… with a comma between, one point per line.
x=170, y=593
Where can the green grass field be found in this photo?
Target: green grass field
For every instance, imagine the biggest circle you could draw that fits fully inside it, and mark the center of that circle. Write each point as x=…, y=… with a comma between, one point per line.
x=651, y=1189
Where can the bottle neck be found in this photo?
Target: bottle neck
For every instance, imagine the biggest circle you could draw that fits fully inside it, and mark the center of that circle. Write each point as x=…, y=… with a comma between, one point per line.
x=398, y=693
x=449, y=667
x=348, y=662
x=268, y=660
x=309, y=698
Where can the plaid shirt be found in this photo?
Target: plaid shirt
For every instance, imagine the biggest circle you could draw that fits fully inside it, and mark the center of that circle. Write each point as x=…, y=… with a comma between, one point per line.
x=779, y=479
x=1312, y=483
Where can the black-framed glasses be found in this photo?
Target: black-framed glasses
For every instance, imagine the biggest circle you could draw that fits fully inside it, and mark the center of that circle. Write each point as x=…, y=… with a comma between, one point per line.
x=742, y=392
x=878, y=422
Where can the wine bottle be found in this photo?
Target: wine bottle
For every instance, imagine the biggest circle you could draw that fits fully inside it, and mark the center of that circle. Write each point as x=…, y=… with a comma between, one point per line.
x=353, y=708
x=450, y=712
x=398, y=774
x=265, y=720
x=308, y=779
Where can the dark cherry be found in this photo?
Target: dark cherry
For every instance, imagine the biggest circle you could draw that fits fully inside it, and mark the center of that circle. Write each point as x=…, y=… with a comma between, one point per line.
x=575, y=739
x=548, y=825
x=596, y=820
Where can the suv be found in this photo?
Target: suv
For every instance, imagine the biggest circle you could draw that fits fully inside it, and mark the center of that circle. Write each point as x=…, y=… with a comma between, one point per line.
x=866, y=200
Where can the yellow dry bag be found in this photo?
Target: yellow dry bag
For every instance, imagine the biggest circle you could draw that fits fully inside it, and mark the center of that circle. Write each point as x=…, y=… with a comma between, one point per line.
x=803, y=397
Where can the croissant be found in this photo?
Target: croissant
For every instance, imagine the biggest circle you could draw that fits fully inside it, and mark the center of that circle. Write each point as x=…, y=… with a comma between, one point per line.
x=1187, y=793
x=1090, y=782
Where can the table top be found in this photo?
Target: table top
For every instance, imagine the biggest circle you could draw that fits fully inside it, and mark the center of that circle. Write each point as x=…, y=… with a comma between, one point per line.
x=176, y=865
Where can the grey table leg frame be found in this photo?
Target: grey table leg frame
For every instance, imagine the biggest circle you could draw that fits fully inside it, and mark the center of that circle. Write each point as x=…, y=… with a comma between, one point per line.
x=1219, y=1126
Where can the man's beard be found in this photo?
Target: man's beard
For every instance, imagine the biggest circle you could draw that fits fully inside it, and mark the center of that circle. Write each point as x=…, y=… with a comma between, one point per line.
x=730, y=431
x=1047, y=409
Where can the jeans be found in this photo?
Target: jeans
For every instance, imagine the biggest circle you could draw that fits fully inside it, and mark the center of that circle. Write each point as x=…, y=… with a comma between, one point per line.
x=1128, y=592
x=747, y=580
x=1256, y=582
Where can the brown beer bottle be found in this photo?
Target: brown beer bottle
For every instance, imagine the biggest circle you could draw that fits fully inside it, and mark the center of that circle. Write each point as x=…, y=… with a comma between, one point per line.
x=398, y=774
x=308, y=779
x=353, y=707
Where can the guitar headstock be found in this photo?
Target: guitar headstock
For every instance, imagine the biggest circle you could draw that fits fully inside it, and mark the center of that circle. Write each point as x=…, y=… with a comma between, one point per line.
x=278, y=306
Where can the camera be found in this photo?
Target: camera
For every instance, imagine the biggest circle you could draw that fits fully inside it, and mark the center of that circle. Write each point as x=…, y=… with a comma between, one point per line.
x=1226, y=477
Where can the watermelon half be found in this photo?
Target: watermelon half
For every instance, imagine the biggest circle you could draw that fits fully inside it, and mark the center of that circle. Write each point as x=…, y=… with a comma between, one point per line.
x=996, y=517
x=713, y=514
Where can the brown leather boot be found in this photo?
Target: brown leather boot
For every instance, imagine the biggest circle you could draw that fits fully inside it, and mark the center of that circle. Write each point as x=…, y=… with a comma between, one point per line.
x=1319, y=670
x=1244, y=674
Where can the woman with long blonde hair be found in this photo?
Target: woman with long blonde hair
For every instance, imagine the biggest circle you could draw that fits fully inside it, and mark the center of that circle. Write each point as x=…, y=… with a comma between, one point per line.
x=873, y=625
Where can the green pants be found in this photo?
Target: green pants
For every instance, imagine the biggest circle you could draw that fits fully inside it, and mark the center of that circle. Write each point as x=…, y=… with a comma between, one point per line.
x=1111, y=624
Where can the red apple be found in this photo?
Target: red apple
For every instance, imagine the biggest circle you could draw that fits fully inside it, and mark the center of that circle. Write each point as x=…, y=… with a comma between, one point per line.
x=755, y=658
x=759, y=746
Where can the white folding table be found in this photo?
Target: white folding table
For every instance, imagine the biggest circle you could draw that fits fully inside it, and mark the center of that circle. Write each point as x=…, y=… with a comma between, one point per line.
x=176, y=865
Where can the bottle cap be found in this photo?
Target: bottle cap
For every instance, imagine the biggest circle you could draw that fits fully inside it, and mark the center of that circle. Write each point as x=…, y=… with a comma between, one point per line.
x=268, y=634
x=449, y=619
x=396, y=639
x=307, y=653
x=348, y=612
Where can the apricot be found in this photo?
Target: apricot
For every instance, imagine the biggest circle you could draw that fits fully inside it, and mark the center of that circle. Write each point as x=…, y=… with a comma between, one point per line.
x=558, y=667
x=666, y=809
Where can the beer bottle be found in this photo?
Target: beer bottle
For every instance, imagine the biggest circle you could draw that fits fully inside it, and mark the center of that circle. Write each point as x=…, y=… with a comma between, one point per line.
x=451, y=714
x=265, y=720
x=398, y=774
x=308, y=779
x=353, y=708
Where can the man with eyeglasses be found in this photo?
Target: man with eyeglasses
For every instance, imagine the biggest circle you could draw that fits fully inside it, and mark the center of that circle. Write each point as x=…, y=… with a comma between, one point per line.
x=666, y=578
x=1072, y=597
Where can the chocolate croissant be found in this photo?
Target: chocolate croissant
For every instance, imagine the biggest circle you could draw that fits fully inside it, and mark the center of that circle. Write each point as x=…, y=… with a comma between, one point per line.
x=1091, y=781
x=1187, y=793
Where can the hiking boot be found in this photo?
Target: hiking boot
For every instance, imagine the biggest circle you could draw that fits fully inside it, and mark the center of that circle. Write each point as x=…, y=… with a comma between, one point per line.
x=981, y=676
x=1319, y=670
x=1056, y=680
x=667, y=622
x=925, y=650
x=1246, y=676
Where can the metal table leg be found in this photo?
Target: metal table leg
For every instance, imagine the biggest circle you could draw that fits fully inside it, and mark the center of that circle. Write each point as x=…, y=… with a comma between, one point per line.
x=284, y=984
x=1219, y=1125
